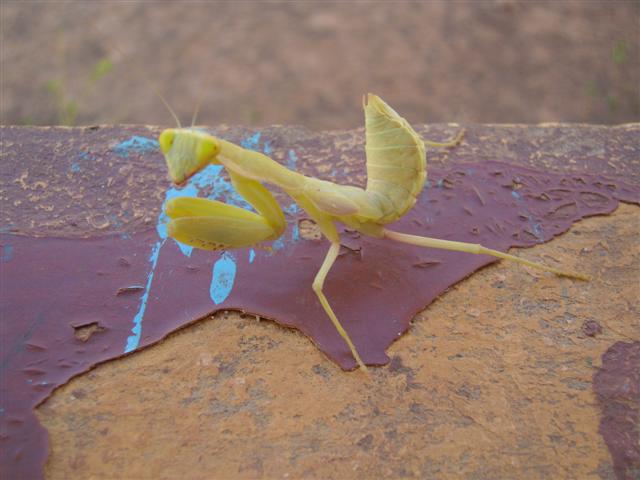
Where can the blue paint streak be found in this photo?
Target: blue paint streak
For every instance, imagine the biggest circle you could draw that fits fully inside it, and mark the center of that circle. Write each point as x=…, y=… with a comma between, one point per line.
x=267, y=148
x=440, y=183
x=7, y=253
x=75, y=167
x=516, y=195
x=224, y=275
x=134, y=339
x=252, y=255
x=136, y=144
x=295, y=235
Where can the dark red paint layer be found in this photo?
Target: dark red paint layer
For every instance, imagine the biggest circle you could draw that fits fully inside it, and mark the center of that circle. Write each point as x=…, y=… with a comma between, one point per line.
x=617, y=386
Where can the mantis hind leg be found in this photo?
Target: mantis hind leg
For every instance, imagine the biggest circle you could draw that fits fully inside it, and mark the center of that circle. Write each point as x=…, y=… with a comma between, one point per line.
x=452, y=142
x=318, y=283
x=473, y=248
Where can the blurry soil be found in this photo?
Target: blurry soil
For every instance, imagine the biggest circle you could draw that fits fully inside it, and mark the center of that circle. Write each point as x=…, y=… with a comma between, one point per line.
x=309, y=62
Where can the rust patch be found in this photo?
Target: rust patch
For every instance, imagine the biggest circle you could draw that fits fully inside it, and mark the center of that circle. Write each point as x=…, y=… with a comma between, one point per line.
x=84, y=332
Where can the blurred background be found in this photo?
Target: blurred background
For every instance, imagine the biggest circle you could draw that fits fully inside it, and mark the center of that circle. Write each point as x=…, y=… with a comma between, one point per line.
x=309, y=63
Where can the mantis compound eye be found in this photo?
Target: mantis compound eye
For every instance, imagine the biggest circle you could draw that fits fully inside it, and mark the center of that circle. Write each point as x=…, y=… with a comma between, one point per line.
x=208, y=148
x=166, y=140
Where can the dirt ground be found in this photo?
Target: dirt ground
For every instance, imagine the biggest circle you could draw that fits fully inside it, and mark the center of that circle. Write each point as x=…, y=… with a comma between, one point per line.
x=309, y=62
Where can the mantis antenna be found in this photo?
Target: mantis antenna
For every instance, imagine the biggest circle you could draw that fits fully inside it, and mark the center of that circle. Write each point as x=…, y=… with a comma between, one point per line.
x=200, y=99
x=197, y=109
x=166, y=104
x=150, y=84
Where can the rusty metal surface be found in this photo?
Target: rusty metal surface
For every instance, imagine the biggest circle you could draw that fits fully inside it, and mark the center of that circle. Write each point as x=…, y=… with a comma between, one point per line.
x=493, y=380
x=110, y=182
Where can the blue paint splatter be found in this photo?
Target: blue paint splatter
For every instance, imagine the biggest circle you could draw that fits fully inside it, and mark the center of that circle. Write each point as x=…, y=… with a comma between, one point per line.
x=516, y=195
x=7, y=253
x=292, y=209
x=267, y=148
x=252, y=255
x=278, y=244
x=76, y=166
x=221, y=188
x=292, y=161
x=118, y=226
x=295, y=235
x=537, y=229
x=136, y=144
x=224, y=275
x=134, y=339
x=252, y=142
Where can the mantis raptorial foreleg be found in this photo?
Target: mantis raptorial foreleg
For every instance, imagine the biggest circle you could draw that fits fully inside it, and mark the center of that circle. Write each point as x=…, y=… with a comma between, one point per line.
x=472, y=248
x=213, y=225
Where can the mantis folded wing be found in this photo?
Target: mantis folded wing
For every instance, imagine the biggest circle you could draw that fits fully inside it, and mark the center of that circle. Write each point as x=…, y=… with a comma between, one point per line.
x=396, y=172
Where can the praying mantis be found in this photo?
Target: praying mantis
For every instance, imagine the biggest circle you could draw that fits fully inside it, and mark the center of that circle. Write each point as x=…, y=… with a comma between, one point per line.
x=396, y=173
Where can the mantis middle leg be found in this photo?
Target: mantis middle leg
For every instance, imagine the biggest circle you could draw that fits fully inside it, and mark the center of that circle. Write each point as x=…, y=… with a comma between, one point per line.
x=318, y=283
x=329, y=230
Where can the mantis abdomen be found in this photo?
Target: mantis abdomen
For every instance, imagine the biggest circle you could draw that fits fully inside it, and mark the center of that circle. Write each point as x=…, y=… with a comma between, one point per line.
x=396, y=163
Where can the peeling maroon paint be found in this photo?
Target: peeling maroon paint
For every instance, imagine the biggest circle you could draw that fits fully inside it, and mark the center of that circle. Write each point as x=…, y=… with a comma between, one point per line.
x=617, y=386
x=51, y=286
x=591, y=328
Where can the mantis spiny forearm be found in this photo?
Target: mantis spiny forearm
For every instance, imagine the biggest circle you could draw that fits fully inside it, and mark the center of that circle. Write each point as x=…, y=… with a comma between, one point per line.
x=396, y=171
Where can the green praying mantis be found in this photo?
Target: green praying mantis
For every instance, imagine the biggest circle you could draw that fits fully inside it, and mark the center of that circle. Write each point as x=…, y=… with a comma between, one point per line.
x=396, y=173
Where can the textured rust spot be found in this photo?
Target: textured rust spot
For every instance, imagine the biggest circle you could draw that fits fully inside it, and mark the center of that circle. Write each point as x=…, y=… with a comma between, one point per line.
x=84, y=332
x=591, y=328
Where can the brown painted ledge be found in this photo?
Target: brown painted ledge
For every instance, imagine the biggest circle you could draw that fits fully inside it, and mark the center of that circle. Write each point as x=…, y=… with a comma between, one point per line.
x=508, y=374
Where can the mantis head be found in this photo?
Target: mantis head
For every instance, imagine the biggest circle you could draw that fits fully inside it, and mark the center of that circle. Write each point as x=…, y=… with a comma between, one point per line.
x=187, y=151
